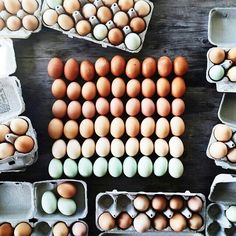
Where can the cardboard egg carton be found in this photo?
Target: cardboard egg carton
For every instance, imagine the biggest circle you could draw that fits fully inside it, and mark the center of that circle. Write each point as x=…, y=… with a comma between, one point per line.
x=150, y=234
x=27, y=205
x=77, y=16
x=116, y=202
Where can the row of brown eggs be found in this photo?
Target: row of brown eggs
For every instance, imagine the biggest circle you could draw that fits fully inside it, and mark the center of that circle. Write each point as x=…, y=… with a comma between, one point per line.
x=22, y=228
x=218, y=55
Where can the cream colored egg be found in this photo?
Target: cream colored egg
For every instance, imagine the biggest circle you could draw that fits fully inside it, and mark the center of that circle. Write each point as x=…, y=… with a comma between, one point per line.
x=89, y=10
x=147, y=127
x=103, y=147
x=218, y=150
x=86, y=128
x=117, y=127
x=117, y=148
x=73, y=149
x=30, y=6
x=146, y=146
x=88, y=148
x=232, y=155
x=50, y=17
x=132, y=147
x=102, y=126
x=162, y=128
x=12, y=6
x=223, y=132
x=176, y=147
x=161, y=147
x=177, y=126
x=232, y=74
x=59, y=149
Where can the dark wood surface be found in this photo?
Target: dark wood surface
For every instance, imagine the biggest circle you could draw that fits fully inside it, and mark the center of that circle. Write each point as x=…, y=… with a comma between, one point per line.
x=177, y=28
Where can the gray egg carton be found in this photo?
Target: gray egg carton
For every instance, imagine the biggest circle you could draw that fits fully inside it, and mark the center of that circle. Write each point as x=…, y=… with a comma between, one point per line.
x=223, y=194
x=22, y=33
x=94, y=21
x=150, y=234
x=23, y=203
x=221, y=33
x=116, y=202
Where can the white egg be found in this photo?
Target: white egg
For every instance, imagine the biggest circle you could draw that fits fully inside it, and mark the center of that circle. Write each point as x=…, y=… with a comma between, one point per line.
x=216, y=72
x=88, y=148
x=145, y=167
x=160, y=166
x=176, y=168
x=73, y=149
x=176, y=147
x=231, y=214
x=132, y=147
x=117, y=148
x=161, y=147
x=146, y=146
x=59, y=149
x=130, y=167
x=132, y=41
x=100, y=32
x=103, y=147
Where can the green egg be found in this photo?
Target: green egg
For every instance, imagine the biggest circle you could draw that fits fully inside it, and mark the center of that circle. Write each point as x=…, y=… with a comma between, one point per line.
x=176, y=168
x=54, y=3
x=70, y=168
x=145, y=167
x=49, y=202
x=160, y=166
x=115, y=167
x=130, y=167
x=85, y=167
x=55, y=168
x=66, y=206
x=216, y=72
x=100, y=167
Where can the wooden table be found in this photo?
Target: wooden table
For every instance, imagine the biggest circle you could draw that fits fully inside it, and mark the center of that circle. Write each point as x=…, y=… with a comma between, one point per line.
x=177, y=28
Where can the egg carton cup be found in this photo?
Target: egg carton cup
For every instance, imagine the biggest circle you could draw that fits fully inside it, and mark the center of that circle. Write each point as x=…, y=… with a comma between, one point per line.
x=150, y=234
x=77, y=16
x=116, y=202
x=22, y=33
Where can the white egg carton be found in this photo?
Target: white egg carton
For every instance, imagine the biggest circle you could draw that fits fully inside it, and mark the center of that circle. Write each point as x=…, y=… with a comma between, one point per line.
x=223, y=195
x=23, y=203
x=221, y=33
x=116, y=202
x=11, y=106
x=22, y=33
x=94, y=21
x=150, y=234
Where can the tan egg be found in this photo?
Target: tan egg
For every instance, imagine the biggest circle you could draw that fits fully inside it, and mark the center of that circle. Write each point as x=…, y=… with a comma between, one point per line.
x=30, y=6
x=118, y=87
x=103, y=147
x=102, y=126
x=195, y=222
x=66, y=190
x=79, y=229
x=148, y=88
x=60, y=229
x=103, y=87
x=24, y=144
x=6, y=150
x=106, y=221
x=161, y=147
x=12, y=6
x=83, y=27
x=142, y=223
x=132, y=147
x=102, y=66
x=132, y=127
x=217, y=55
x=71, y=69
x=177, y=126
x=163, y=87
x=232, y=55
x=73, y=91
x=74, y=110
x=71, y=6
x=142, y=8
x=137, y=24
x=164, y=66
x=149, y=67
x=59, y=149
x=178, y=222
x=23, y=229
x=30, y=22
x=147, y=127
x=59, y=109
x=59, y=88
x=133, y=68
x=133, y=88
x=89, y=10
x=88, y=148
x=178, y=87
x=118, y=65
x=50, y=17
x=13, y=23
x=218, y=150
x=232, y=155
x=115, y=36
x=88, y=109
x=195, y=204
x=86, y=128
x=102, y=106
x=19, y=126
x=162, y=128
x=2, y=7
x=121, y=19
x=176, y=147
x=141, y=203
x=73, y=149
x=6, y=229
x=109, y=2
x=133, y=107
x=177, y=107
x=89, y=91
x=176, y=203
x=159, y=203
x=117, y=148
x=163, y=107
x=104, y=14
x=55, y=128
x=146, y=146
x=124, y=220
x=71, y=129
x=2, y=24
x=125, y=5
x=116, y=107
x=147, y=107
x=65, y=22
x=160, y=222
x=87, y=70
x=223, y=132
x=180, y=66
x=117, y=127
x=232, y=74
x=55, y=68
x=4, y=130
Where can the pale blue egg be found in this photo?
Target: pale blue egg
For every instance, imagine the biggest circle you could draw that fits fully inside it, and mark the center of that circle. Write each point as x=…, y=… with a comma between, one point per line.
x=216, y=72
x=160, y=166
x=49, y=202
x=85, y=167
x=145, y=167
x=130, y=167
x=70, y=168
x=54, y=3
x=55, y=168
x=176, y=168
x=100, y=167
x=115, y=167
x=66, y=206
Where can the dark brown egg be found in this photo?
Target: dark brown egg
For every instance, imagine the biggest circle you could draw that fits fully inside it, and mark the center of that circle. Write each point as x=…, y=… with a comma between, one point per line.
x=87, y=70
x=55, y=68
x=137, y=24
x=102, y=66
x=71, y=69
x=6, y=229
x=124, y=220
x=149, y=67
x=115, y=36
x=133, y=68
x=118, y=64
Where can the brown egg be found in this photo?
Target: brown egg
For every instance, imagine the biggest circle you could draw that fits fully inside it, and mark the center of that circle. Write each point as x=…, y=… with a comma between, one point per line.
x=217, y=55
x=12, y=6
x=24, y=144
x=180, y=66
x=138, y=25
x=132, y=127
x=121, y=19
x=148, y=88
x=55, y=68
x=141, y=223
x=109, y=2
x=115, y=36
x=83, y=27
x=60, y=229
x=65, y=22
x=30, y=6
x=2, y=24
x=133, y=68
x=142, y=8
x=133, y=88
x=74, y=110
x=50, y=17
x=195, y=204
x=103, y=87
x=232, y=155
x=232, y=55
x=159, y=203
x=73, y=91
x=124, y=220
x=218, y=150
x=19, y=126
x=30, y=22
x=102, y=106
x=177, y=126
x=6, y=150
x=125, y=5
x=55, y=128
x=86, y=128
x=104, y=14
x=147, y=127
x=59, y=109
x=89, y=10
x=118, y=87
x=89, y=91
x=162, y=128
x=164, y=66
x=87, y=70
x=71, y=69
x=71, y=6
x=13, y=23
x=117, y=127
x=118, y=65
x=163, y=107
x=223, y=132
x=177, y=107
x=4, y=130
x=178, y=222
x=106, y=221
x=195, y=222
x=71, y=129
x=163, y=87
x=178, y=87
x=88, y=109
x=59, y=88
x=66, y=190
x=147, y=107
x=102, y=66
x=116, y=107
x=102, y=126
x=133, y=107
x=23, y=229
x=6, y=229
x=160, y=222
x=79, y=229
x=149, y=67
x=2, y=7
x=176, y=203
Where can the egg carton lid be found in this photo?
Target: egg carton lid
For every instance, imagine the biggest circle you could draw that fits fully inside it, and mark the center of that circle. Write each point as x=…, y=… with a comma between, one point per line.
x=150, y=234
x=221, y=27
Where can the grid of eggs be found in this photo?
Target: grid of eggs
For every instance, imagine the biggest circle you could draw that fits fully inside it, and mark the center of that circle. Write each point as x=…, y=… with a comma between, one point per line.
x=142, y=212
x=117, y=23
x=101, y=129
x=21, y=17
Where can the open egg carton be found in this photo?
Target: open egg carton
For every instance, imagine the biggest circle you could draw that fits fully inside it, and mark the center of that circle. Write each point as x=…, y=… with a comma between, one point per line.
x=19, y=19
x=11, y=105
x=100, y=24
x=27, y=206
x=222, y=34
x=116, y=203
x=219, y=215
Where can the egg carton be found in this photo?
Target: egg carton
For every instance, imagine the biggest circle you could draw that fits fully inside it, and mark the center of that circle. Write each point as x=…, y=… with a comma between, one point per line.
x=94, y=21
x=221, y=33
x=116, y=202
x=22, y=33
x=150, y=234
x=27, y=206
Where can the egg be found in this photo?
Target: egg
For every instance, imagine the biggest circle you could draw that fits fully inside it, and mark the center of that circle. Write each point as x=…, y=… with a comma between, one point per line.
x=116, y=107
x=6, y=150
x=55, y=168
x=65, y=22
x=230, y=213
x=180, y=66
x=102, y=106
x=83, y=27
x=30, y=22
x=162, y=128
x=102, y=66
x=104, y=14
x=86, y=128
x=133, y=88
x=118, y=87
x=13, y=23
x=55, y=68
x=100, y=167
x=231, y=156
x=60, y=229
x=29, y=6
x=74, y=110
x=23, y=229
x=125, y=5
x=218, y=150
x=2, y=24
x=103, y=147
x=195, y=204
x=163, y=87
x=223, y=133
x=160, y=166
x=85, y=167
x=71, y=6
x=4, y=130
x=73, y=91
x=177, y=126
x=121, y=19
x=176, y=168
x=145, y=167
x=109, y=2
x=141, y=203
x=79, y=229
x=132, y=127
x=132, y=147
x=133, y=68
x=147, y=127
x=195, y=222
x=160, y=222
x=70, y=168
x=176, y=147
x=117, y=148
x=115, y=167
x=124, y=220
x=164, y=66
x=149, y=67
x=6, y=229
x=66, y=206
x=133, y=41
x=159, y=203
x=54, y=3
x=178, y=87
x=106, y=221
x=89, y=91
x=24, y=144
x=177, y=107
x=102, y=126
x=50, y=17
x=163, y=107
x=115, y=36
x=137, y=24
x=130, y=167
x=142, y=8
x=100, y=32
x=161, y=147
x=87, y=70
x=59, y=88
x=19, y=126
x=141, y=223
x=216, y=73
x=73, y=149
x=232, y=74
x=117, y=128
x=59, y=109
x=2, y=7
x=232, y=55
x=88, y=109
x=88, y=148
x=71, y=69
x=66, y=190
x=148, y=88
x=59, y=149
x=71, y=129
x=147, y=107
x=103, y=87
x=118, y=65
x=49, y=202
x=89, y=10
x=178, y=222
x=176, y=203
x=12, y=6
x=217, y=55
x=132, y=107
